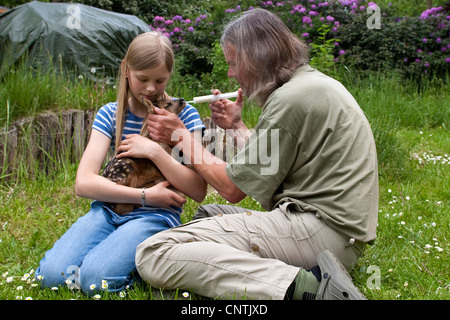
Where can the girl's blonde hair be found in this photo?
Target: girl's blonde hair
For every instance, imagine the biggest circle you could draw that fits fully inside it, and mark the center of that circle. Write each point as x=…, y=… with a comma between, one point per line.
x=266, y=49
x=148, y=50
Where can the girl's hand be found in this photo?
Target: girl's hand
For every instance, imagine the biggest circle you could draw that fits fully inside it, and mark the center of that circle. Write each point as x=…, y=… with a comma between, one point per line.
x=137, y=146
x=161, y=196
x=226, y=113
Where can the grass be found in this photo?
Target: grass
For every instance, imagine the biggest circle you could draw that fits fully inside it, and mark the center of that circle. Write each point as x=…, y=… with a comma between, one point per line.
x=408, y=261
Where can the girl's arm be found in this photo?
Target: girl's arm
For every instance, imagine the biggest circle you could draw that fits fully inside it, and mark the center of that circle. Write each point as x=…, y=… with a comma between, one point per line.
x=180, y=176
x=90, y=184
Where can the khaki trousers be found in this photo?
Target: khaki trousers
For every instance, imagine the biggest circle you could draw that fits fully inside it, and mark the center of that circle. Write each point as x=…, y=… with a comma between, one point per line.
x=235, y=253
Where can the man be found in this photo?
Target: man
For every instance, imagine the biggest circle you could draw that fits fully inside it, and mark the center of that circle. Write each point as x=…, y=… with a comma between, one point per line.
x=320, y=188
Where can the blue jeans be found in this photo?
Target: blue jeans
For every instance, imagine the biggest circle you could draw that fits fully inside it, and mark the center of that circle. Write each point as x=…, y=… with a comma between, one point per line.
x=100, y=246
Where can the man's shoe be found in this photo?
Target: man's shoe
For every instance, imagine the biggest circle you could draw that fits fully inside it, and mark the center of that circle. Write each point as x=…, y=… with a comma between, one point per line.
x=336, y=283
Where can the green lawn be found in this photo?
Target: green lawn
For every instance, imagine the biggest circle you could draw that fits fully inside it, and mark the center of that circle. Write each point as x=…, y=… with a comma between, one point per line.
x=408, y=261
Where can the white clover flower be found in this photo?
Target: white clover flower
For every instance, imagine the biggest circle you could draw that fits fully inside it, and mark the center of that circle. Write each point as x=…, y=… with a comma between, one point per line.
x=122, y=294
x=9, y=279
x=28, y=298
x=104, y=284
x=19, y=288
x=97, y=297
x=92, y=286
x=54, y=288
x=185, y=294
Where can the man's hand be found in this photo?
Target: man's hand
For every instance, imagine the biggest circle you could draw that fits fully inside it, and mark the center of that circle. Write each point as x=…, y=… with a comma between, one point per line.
x=226, y=113
x=162, y=124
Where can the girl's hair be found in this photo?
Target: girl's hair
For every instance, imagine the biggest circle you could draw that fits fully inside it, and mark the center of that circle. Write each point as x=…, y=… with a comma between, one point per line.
x=148, y=50
x=266, y=49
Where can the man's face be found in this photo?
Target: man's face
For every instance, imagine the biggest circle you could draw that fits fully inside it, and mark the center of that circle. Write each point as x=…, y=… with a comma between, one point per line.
x=238, y=73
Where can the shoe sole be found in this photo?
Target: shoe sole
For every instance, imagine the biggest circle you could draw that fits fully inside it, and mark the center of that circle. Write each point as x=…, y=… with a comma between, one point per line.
x=336, y=282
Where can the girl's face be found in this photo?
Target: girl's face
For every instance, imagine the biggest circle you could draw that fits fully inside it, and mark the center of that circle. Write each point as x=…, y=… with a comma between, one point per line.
x=150, y=83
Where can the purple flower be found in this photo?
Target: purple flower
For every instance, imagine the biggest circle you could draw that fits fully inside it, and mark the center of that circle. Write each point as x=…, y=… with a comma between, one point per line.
x=424, y=40
x=341, y=52
x=177, y=17
x=447, y=59
x=191, y=29
x=306, y=19
x=438, y=40
x=330, y=18
x=168, y=22
x=158, y=18
x=313, y=13
x=306, y=34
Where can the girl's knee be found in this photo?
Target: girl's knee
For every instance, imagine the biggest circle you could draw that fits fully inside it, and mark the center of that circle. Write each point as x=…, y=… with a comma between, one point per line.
x=94, y=278
x=52, y=274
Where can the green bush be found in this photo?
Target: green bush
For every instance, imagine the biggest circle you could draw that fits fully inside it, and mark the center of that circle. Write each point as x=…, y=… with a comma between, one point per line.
x=418, y=47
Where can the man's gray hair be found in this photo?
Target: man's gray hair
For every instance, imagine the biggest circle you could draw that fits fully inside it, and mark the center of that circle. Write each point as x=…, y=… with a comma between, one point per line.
x=266, y=50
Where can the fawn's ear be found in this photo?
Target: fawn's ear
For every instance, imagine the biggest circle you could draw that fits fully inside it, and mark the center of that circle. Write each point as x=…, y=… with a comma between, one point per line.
x=149, y=105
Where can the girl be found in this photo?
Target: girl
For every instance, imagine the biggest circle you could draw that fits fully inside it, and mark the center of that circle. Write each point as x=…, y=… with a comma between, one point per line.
x=98, y=251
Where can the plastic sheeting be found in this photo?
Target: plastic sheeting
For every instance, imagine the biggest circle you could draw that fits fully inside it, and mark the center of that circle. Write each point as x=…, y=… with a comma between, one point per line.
x=77, y=38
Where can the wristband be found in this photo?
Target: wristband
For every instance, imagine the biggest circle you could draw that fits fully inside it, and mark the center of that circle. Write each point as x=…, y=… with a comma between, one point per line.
x=143, y=197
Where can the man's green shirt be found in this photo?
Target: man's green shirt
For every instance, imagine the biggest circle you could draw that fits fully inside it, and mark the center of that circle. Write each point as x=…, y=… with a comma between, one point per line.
x=313, y=147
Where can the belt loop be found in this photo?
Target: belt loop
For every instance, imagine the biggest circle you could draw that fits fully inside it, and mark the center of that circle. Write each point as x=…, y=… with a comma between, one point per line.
x=350, y=242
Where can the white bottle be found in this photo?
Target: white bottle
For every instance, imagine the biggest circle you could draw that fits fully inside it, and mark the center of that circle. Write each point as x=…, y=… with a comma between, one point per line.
x=213, y=97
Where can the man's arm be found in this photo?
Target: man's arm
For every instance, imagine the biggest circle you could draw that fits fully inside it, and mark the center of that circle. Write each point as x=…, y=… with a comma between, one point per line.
x=168, y=128
x=211, y=168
